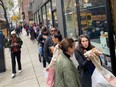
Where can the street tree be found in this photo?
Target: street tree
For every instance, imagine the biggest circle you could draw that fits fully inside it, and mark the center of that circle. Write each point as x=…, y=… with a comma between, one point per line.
x=11, y=4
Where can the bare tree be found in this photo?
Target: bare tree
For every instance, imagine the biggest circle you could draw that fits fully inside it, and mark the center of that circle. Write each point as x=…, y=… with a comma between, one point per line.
x=5, y=16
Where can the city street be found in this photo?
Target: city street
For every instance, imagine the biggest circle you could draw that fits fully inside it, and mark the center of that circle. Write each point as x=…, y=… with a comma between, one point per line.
x=32, y=75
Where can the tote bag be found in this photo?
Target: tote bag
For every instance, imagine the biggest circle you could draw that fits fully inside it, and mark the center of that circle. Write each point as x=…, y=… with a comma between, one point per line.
x=101, y=77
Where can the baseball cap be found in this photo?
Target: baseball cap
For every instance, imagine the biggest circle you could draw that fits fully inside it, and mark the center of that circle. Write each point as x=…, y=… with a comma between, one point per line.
x=13, y=32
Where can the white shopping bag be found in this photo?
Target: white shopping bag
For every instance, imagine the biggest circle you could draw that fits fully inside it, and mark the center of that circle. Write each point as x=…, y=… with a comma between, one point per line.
x=101, y=77
x=98, y=80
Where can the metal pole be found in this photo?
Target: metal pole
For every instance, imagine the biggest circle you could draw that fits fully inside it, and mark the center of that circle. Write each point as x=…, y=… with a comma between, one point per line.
x=110, y=36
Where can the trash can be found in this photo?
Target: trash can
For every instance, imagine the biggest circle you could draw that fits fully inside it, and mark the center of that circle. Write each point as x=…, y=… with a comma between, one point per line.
x=2, y=59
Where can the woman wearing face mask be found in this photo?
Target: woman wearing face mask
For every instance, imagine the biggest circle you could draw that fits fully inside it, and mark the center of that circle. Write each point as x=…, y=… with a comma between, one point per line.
x=85, y=65
x=66, y=74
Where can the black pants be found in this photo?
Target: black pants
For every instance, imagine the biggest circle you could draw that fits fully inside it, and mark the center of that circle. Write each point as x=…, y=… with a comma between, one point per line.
x=16, y=56
x=44, y=61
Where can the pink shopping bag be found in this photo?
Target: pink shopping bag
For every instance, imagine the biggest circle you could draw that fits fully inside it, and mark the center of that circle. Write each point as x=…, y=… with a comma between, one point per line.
x=50, y=79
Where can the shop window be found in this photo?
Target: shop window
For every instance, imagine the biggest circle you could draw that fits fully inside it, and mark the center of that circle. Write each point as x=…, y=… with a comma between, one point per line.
x=71, y=18
x=55, y=18
x=94, y=25
x=53, y=4
x=40, y=16
x=49, y=15
x=44, y=16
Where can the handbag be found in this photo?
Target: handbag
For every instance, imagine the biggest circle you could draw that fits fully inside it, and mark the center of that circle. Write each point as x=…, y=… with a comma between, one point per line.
x=101, y=77
x=50, y=79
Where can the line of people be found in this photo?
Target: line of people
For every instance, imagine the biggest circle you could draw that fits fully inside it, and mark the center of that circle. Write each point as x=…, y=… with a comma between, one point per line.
x=57, y=52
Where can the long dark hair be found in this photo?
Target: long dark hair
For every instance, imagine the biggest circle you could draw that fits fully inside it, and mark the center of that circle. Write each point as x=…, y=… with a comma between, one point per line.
x=58, y=35
x=80, y=47
x=44, y=29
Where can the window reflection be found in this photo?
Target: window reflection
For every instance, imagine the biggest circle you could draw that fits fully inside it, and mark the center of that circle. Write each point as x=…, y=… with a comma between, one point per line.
x=37, y=17
x=94, y=24
x=55, y=19
x=44, y=16
x=53, y=4
x=40, y=17
x=49, y=16
x=71, y=18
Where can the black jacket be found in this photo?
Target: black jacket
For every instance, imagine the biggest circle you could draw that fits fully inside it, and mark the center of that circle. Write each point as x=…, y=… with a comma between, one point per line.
x=86, y=69
x=47, y=53
x=41, y=40
x=18, y=41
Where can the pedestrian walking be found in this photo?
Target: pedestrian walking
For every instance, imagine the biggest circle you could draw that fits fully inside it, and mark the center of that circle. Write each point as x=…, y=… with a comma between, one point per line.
x=15, y=44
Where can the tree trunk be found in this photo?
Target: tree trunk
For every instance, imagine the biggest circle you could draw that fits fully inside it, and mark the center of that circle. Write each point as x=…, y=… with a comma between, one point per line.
x=5, y=16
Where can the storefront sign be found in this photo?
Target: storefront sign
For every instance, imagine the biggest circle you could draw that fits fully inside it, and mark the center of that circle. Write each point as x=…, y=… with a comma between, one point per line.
x=99, y=17
x=87, y=5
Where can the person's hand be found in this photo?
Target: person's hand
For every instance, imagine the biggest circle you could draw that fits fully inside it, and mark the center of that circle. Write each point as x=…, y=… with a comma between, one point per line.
x=47, y=68
x=90, y=55
x=52, y=49
x=96, y=51
x=45, y=37
x=15, y=44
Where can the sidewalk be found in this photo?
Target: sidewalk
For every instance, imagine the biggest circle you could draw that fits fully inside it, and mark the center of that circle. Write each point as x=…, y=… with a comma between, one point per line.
x=32, y=74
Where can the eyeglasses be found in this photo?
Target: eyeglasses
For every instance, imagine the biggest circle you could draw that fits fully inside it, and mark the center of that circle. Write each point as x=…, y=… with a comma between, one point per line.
x=53, y=30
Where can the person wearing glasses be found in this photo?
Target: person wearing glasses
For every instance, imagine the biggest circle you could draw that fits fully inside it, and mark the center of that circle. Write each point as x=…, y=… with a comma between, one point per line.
x=48, y=44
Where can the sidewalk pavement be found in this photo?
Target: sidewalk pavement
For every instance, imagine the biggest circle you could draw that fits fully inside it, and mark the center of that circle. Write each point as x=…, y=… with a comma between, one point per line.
x=32, y=75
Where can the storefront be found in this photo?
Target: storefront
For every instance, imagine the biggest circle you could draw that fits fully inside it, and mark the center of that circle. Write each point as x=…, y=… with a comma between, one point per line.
x=95, y=20
x=70, y=17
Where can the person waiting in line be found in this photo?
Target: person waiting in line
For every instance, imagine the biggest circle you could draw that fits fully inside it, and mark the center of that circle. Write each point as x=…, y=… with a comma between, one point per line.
x=66, y=74
x=41, y=40
x=15, y=44
x=57, y=38
x=49, y=43
x=86, y=66
x=31, y=32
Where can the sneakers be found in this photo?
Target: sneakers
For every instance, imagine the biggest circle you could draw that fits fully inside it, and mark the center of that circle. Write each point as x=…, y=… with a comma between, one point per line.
x=13, y=75
x=20, y=71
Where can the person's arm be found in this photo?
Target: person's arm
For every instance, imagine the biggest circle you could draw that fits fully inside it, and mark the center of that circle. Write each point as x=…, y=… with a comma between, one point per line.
x=9, y=43
x=19, y=42
x=81, y=59
x=54, y=58
x=40, y=38
x=51, y=49
x=97, y=51
x=46, y=49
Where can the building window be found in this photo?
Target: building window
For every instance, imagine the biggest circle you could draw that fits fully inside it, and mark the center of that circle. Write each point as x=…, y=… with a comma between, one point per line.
x=44, y=15
x=71, y=18
x=49, y=15
x=94, y=24
x=40, y=15
x=53, y=4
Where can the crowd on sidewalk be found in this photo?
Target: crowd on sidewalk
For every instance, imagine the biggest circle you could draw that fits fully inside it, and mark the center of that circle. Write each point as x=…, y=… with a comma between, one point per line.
x=55, y=53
